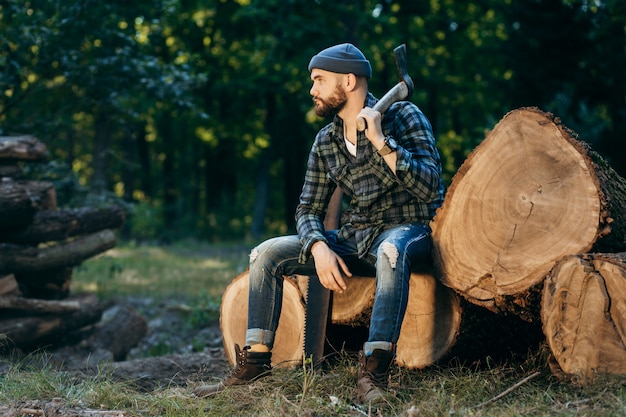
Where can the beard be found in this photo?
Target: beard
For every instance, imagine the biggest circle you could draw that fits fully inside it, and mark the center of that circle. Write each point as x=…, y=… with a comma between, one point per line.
x=331, y=105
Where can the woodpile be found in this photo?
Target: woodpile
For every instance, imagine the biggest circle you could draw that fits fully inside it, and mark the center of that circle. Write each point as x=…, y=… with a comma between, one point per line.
x=525, y=201
x=40, y=244
x=514, y=250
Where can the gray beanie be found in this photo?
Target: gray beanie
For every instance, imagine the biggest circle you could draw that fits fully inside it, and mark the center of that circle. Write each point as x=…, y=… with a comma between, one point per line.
x=343, y=59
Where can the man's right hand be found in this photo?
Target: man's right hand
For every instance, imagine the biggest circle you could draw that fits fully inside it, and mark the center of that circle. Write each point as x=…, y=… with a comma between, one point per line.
x=330, y=267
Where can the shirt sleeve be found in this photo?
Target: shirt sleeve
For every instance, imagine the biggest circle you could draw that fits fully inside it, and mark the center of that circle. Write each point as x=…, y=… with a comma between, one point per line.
x=418, y=166
x=316, y=192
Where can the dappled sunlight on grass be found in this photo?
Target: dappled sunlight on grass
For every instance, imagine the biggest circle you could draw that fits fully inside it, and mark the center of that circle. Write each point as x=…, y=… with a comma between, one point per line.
x=197, y=270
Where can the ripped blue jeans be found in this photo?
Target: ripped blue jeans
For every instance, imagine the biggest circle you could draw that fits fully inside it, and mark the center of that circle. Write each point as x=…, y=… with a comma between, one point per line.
x=392, y=257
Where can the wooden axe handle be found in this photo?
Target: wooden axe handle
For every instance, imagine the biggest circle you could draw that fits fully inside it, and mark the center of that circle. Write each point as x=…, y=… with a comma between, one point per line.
x=399, y=92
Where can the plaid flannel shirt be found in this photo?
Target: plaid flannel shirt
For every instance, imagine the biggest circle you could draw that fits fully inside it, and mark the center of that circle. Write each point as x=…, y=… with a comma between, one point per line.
x=378, y=198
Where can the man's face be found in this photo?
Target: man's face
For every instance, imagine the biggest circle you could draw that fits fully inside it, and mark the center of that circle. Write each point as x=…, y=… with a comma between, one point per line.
x=328, y=96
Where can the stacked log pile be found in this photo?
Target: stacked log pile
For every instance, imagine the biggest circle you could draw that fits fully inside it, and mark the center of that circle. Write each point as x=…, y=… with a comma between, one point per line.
x=522, y=231
x=513, y=245
x=40, y=245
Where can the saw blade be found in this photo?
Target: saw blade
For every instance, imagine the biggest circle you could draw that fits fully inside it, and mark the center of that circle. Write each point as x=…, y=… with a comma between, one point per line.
x=315, y=320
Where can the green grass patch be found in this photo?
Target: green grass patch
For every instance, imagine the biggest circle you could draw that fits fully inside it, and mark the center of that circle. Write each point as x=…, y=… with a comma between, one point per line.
x=186, y=269
x=502, y=391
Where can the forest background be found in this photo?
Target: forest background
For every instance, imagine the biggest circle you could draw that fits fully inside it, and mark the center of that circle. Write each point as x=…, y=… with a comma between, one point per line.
x=196, y=115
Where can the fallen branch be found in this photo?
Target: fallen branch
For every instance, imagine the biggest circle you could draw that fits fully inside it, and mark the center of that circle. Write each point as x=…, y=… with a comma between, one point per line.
x=509, y=390
x=74, y=412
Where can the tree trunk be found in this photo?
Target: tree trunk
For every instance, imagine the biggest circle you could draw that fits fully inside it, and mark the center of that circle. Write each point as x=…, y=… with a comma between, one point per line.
x=53, y=225
x=528, y=195
x=16, y=258
x=428, y=331
x=584, y=315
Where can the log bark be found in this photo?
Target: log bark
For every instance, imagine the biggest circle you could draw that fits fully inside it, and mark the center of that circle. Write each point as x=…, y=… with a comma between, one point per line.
x=54, y=225
x=20, y=200
x=34, y=306
x=23, y=148
x=528, y=195
x=32, y=332
x=25, y=259
x=289, y=341
x=584, y=315
x=428, y=331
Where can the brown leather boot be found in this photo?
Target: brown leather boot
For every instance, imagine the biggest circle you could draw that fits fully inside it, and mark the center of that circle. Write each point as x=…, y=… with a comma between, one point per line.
x=249, y=367
x=373, y=375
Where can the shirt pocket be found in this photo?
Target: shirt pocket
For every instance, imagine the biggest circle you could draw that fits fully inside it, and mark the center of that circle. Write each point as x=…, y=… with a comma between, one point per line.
x=340, y=175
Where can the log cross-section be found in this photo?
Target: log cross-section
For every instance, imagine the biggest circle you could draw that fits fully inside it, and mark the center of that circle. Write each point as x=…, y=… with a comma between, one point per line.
x=528, y=195
x=584, y=315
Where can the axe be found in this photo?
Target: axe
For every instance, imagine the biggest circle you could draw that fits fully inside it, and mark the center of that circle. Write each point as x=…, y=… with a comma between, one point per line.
x=399, y=92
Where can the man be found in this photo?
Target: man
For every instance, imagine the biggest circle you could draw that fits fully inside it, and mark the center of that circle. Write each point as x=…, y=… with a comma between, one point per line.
x=392, y=174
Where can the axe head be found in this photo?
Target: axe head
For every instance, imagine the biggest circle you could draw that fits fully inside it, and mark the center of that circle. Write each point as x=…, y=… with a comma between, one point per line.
x=399, y=54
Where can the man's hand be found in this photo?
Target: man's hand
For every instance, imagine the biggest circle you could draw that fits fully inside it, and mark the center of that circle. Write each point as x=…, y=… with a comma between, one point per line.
x=374, y=131
x=330, y=267
x=374, y=134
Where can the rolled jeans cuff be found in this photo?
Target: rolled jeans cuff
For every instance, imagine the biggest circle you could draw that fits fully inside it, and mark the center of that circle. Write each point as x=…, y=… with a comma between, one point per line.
x=256, y=336
x=368, y=347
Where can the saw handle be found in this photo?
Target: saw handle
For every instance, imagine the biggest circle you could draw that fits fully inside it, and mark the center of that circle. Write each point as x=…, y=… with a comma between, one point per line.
x=399, y=92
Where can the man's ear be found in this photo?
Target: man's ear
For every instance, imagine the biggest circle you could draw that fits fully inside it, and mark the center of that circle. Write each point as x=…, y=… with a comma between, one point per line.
x=350, y=82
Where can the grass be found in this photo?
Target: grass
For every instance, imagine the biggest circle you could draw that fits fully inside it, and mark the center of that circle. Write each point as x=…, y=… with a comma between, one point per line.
x=199, y=271
x=188, y=268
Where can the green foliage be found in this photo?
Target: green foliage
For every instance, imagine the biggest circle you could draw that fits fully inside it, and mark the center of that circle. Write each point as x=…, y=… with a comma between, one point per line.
x=197, y=113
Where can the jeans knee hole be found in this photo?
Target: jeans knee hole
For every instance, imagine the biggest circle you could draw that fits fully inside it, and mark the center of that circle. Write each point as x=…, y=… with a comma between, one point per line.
x=390, y=250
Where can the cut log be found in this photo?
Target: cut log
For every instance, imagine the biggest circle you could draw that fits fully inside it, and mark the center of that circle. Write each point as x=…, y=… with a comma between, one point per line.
x=19, y=200
x=34, y=306
x=352, y=307
x=23, y=148
x=16, y=205
x=54, y=225
x=289, y=339
x=528, y=195
x=431, y=323
x=9, y=286
x=584, y=315
x=32, y=332
x=17, y=258
x=428, y=331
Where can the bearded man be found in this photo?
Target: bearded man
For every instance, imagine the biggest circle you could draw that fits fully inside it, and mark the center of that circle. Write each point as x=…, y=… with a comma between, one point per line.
x=391, y=173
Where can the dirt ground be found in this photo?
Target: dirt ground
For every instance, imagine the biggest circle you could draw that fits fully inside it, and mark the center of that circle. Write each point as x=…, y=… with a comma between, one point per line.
x=174, y=353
